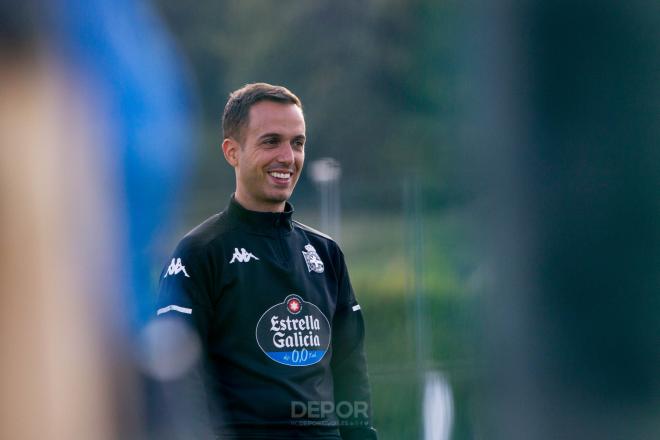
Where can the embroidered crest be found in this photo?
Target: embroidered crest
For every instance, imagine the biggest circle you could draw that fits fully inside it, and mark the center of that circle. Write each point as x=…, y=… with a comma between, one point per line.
x=312, y=259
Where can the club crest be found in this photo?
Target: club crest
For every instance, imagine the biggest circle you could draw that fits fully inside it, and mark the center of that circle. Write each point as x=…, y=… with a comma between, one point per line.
x=312, y=259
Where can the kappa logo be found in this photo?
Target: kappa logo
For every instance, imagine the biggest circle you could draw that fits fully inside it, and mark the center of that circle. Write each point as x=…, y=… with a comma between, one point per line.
x=176, y=267
x=312, y=259
x=242, y=256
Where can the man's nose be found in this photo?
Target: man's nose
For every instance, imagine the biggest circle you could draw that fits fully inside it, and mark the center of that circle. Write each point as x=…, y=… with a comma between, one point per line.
x=285, y=153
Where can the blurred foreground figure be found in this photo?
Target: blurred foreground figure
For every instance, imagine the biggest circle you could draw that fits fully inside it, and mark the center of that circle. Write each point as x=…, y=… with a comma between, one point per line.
x=55, y=374
x=568, y=134
x=75, y=119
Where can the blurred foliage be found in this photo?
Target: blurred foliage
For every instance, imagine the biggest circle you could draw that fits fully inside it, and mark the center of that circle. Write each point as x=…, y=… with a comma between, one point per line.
x=382, y=272
x=377, y=80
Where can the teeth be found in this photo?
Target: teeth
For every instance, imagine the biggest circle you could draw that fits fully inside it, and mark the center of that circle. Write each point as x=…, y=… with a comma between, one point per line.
x=280, y=175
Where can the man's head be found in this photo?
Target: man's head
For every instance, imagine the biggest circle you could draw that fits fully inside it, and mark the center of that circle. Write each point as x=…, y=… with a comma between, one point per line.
x=264, y=140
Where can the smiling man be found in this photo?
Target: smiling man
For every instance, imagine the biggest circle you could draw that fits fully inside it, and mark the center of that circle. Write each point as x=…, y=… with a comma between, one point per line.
x=269, y=298
x=267, y=150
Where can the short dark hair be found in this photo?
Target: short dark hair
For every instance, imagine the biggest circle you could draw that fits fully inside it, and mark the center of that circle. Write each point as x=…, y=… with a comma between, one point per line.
x=237, y=110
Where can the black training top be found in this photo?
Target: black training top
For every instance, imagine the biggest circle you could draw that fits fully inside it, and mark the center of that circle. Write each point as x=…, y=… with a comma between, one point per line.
x=280, y=328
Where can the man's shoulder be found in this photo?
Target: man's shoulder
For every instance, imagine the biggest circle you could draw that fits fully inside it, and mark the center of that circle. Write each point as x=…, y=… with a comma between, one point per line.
x=204, y=235
x=320, y=238
x=310, y=230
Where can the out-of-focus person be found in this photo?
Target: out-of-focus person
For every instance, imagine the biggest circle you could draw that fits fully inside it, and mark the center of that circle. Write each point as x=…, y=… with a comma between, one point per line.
x=75, y=118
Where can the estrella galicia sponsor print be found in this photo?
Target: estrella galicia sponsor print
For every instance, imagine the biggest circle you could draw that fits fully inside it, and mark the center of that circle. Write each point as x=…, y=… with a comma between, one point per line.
x=294, y=332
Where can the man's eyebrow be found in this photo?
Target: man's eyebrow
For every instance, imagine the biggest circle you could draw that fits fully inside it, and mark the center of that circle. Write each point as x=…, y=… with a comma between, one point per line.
x=266, y=135
x=278, y=135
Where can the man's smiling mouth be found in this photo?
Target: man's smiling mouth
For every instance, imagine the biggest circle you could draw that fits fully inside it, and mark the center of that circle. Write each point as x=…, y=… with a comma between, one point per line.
x=280, y=175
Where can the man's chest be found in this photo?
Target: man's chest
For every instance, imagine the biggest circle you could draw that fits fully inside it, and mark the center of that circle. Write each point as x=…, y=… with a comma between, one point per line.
x=277, y=293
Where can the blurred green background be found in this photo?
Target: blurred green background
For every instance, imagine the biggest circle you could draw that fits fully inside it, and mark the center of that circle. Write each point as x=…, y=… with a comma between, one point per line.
x=379, y=85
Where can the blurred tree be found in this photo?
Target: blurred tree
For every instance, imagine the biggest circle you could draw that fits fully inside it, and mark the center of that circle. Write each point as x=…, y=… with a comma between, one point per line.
x=376, y=78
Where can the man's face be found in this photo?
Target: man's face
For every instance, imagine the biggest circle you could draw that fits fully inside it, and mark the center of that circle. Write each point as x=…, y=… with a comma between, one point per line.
x=271, y=157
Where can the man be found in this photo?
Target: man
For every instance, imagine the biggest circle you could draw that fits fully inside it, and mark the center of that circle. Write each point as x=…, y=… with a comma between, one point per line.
x=270, y=298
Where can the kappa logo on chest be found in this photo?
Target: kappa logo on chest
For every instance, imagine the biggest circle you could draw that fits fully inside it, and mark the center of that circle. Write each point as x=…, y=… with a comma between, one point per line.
x=242, y=256
x=314, y=263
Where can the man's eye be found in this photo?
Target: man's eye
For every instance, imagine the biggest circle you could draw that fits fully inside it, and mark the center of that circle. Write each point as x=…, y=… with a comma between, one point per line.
x=270, y=141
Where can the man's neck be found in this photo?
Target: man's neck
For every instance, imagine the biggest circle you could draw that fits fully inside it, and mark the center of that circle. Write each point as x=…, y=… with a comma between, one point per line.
x=252, y=205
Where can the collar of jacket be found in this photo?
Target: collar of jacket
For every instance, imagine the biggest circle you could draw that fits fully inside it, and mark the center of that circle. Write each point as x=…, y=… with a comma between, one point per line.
x=261, y=222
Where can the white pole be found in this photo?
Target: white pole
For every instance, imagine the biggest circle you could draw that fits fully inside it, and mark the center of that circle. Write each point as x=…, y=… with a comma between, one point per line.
x=325, y=173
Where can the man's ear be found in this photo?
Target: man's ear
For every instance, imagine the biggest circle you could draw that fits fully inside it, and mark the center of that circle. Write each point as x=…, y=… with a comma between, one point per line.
x=230, y=150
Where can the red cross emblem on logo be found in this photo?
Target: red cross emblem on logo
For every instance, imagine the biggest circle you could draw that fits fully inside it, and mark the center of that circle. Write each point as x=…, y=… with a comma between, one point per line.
x=293, y=305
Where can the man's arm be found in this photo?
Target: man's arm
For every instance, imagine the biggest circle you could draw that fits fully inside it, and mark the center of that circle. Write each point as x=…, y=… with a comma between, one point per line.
x=349, y=364
x=184, y=304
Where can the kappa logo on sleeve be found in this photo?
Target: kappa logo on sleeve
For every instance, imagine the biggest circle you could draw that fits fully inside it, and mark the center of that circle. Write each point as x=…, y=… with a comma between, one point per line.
x=312, y=259
x=176, y=268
